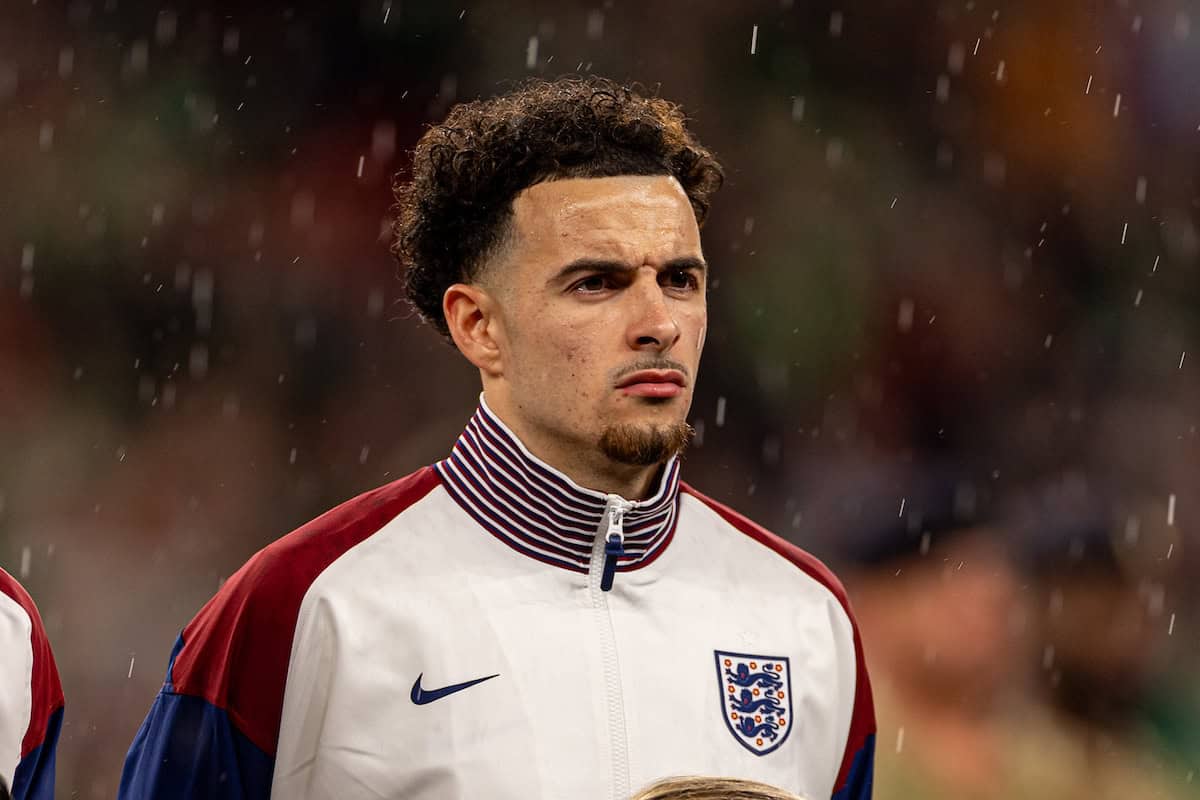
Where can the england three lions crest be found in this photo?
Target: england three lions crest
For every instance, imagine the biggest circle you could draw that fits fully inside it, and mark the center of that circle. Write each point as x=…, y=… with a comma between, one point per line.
x=756, y=699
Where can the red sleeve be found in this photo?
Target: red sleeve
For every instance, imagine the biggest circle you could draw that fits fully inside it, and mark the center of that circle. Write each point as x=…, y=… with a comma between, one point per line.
x=46, y=689
x=235, y=652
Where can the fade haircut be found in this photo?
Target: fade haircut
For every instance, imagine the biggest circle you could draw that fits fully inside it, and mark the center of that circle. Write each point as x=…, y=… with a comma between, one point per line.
x=454, y=210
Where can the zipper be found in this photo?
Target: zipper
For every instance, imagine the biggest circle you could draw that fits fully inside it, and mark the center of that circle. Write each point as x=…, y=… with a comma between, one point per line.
x=614, y=539
x=605, y=552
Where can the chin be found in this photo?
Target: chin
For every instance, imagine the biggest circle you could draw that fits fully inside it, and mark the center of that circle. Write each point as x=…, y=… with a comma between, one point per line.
x=645, y=442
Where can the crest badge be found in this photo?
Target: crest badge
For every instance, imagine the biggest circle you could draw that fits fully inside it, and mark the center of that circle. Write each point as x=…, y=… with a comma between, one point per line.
x=756, y=699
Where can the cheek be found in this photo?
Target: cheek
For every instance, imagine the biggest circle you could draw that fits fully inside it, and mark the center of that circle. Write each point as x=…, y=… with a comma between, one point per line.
x=575, y=363
x=695, y=326
x=575, y=357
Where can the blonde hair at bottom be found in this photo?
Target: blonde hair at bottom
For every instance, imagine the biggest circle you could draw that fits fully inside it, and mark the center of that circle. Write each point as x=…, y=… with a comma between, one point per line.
x=702, y=788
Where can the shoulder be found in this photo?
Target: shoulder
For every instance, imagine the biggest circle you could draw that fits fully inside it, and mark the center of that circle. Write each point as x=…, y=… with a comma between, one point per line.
x=234, y=654
x=854, y=774
x=807, y=563
x=45, y=688
x=15, y=592
x=21, y=603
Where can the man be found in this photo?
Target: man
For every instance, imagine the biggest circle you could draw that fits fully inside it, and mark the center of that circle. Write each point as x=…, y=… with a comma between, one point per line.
x=548, y=612
x=31, y=697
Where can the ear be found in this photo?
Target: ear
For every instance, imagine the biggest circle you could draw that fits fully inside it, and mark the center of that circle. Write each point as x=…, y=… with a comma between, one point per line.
x=471, y=315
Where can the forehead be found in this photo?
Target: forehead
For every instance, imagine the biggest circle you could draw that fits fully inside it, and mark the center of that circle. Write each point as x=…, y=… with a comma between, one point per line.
x=634, y=218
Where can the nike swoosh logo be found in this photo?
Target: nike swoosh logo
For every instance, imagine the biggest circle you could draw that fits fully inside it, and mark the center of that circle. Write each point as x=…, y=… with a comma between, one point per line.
x=421, y=696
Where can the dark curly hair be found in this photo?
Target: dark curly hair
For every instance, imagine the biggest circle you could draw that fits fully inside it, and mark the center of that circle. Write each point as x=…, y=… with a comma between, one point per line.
x=456, y=207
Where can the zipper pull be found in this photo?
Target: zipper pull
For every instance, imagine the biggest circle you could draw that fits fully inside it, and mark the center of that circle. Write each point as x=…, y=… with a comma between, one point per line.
x=614, y=540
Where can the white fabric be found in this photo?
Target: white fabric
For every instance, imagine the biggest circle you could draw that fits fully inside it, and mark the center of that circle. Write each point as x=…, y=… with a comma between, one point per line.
x=597, y=694
x=16, y=676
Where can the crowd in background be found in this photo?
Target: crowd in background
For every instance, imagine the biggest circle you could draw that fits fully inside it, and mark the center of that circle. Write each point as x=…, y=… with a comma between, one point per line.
x=951, y=352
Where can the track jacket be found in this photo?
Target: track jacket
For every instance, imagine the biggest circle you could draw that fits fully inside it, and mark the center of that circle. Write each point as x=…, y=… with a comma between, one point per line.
x=31, y=697
x=486, y=628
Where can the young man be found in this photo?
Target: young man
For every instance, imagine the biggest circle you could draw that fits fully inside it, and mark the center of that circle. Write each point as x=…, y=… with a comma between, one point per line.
x=548, y=612
x=31, y=697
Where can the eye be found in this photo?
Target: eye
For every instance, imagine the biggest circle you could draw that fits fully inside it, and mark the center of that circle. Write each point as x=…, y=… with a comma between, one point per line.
x=592, y=284
x=681, y=279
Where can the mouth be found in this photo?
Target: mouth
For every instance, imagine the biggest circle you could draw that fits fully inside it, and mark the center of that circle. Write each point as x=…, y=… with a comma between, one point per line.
x=653, y=383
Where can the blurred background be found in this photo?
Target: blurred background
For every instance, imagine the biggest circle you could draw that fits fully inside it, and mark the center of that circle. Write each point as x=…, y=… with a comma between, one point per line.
x=952, y=352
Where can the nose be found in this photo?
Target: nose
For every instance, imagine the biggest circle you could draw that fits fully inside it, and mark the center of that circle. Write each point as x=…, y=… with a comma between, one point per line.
x=654, y=327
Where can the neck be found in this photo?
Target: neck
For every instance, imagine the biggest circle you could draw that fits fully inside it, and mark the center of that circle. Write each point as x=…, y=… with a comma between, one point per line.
x=582, y=463
x=629, y=482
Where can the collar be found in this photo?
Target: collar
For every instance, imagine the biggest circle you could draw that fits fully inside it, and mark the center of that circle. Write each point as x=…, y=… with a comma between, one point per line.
x=540, y=512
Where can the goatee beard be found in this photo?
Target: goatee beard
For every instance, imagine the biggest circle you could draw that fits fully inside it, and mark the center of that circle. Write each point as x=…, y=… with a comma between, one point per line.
x=645, y=445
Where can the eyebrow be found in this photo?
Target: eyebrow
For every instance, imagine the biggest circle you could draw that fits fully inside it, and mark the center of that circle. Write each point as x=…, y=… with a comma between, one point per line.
x=605, y=266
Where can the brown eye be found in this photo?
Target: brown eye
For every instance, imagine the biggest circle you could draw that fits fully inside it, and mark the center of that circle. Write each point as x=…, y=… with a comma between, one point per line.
x=596, y=283
x=681, y=279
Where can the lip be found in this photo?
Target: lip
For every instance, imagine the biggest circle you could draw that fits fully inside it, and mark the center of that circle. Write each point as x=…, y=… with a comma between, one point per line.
x=662, y=389
x=651, y=377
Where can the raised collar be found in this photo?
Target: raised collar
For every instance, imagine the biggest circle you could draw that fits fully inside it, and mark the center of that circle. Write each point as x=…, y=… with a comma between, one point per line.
x=540, y=512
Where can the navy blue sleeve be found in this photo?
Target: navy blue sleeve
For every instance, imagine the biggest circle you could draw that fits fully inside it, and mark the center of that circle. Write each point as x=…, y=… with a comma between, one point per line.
x=34, y=777
x=862, y=774
x=189, y=749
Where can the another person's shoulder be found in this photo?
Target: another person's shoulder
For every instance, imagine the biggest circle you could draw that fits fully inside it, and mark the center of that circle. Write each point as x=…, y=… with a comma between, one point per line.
x=18, y=598
x=805, y=562
x=22, y=614
x=23, y=642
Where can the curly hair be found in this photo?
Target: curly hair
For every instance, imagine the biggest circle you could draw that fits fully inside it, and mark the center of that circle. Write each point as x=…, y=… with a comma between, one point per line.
x=455, y=209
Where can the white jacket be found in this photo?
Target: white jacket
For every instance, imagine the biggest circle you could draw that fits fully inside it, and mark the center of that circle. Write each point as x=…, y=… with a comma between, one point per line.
x=455, y=635
x=31, y=697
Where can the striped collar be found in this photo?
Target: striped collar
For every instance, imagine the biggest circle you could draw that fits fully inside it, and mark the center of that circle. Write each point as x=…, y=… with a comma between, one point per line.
x=540, y=512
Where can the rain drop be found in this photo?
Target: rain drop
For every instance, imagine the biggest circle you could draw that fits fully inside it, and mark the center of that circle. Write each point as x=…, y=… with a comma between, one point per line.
x=797, y=109
x=834, y=151
x=904, y=319
x=836, y=22
x=165, y=27
x=595, y=24
x=1183, y=25
x=66, y=62
x=198, y=361
x=956, y=58
x=374, y=303
x=383, y=141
